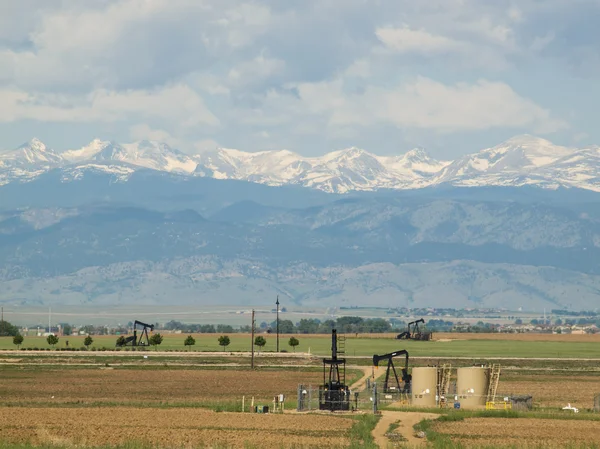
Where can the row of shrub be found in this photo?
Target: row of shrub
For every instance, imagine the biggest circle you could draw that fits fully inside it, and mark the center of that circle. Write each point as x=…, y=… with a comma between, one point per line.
x=83, y=348
x=93, y=349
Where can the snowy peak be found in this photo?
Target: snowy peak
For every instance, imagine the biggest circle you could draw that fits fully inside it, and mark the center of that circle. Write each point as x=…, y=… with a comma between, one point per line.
x=147, y=154
x=33, y=153
x=267, y=167
x=526, y=152
x=338, y=171
x=86, y=152
x=34, y=144
x=417, y=155
x=517, y=157
x=350, y=159
x=416, y=165
x=347, y=154
x=521, y=160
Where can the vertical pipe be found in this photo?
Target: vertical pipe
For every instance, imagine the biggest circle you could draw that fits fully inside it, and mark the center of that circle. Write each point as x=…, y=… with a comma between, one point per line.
x=277, y=322
x=374, y=397
x=252, y=342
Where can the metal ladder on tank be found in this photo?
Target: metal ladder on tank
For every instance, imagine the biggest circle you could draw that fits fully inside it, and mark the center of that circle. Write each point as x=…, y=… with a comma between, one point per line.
x=494, y=379
x=444, y=385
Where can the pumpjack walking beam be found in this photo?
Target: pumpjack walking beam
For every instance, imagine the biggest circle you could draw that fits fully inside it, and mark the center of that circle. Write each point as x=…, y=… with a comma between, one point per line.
x=133, y=340
x=416, y=333
x=408, y=333
x=145, y=327
x=406, y=378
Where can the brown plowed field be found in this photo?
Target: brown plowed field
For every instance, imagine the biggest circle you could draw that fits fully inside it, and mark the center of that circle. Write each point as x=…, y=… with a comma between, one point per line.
x=520, y=432
x=180, y=427
x=554, y=391
x=129, y=387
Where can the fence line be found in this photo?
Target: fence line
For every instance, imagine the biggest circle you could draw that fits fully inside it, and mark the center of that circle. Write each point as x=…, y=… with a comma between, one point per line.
x=313, y=397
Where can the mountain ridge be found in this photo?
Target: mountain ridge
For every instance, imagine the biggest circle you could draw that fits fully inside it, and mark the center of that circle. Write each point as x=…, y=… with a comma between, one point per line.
x=439, y=253
x=521, y=160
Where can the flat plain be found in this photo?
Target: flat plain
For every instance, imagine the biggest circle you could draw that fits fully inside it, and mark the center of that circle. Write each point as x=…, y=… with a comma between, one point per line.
x=194, y=399
x=444, y=345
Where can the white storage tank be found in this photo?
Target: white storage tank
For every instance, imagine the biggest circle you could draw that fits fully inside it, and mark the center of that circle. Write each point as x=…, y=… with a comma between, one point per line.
x=424, y=386
x=472, y=385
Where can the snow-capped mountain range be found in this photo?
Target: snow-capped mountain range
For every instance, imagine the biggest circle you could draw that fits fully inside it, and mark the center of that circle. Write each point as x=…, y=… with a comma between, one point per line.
x=522, y=160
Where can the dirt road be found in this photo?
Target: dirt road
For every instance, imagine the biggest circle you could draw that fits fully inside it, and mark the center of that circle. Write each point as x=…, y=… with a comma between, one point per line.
x=361, y=383
x=406, y=422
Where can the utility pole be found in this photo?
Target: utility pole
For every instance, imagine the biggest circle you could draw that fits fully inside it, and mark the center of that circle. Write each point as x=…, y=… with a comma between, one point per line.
x=2, y=322
x=277, y=302
x=252, y=342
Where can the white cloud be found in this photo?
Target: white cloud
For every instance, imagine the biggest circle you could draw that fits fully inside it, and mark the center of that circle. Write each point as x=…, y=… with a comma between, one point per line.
x=496, y=33
x=483, y=105
x=243, y=23
x=580, y=137
x=307, y=74
x=515, y=14
x=359, y=69
x=405, y=39
x=255, y=70
x=177, y=103
x=478, y=43
x=205, y=145
x=541, y=42
x=143, y=131
x=131, y=43
x=425, y=104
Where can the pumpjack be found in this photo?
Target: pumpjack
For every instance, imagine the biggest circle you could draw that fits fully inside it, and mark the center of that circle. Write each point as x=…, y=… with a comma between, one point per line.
x=133, y=340
x=406, y=378
x=416, y=333
x=334, y=394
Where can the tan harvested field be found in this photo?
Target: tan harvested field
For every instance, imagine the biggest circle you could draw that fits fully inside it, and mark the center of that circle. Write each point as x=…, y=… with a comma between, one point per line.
x=554, y=390
x=437, y=336
x=519, y=337
x=520, y=432
x=123, y=386
x=180, y=427
x=68, y=404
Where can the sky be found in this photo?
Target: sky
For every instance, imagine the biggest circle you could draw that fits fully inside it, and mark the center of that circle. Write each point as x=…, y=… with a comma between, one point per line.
x=311, y=76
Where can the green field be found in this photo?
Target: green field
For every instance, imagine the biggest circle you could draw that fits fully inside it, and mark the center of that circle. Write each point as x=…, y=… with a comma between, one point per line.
x=320, y=345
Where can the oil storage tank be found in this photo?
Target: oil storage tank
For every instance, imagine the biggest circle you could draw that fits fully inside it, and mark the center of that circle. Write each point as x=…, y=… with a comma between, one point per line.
x=424, y=386
x=472, y=385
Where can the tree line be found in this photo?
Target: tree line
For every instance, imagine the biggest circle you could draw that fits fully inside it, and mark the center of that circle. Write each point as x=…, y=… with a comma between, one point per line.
x=345, y=324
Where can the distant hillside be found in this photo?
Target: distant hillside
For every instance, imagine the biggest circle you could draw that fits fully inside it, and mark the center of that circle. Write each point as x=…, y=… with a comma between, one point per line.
x=229, y=242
